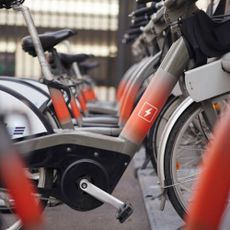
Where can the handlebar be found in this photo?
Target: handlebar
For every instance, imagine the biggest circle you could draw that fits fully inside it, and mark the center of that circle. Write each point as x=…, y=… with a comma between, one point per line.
x=129, y=38
x=57, y=85
x=146, y=1
x=138, y=25
x=145, y=10
x=177, y=3
x=136, y=20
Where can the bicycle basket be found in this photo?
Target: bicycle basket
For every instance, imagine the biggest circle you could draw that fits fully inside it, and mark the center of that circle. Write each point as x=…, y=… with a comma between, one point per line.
x=8, y=3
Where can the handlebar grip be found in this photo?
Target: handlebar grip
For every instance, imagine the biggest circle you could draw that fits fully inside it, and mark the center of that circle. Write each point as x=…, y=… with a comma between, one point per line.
x=129, y=39
x=146, y=1
x=140, y=24
x=137, y=20
x=146, y=10
x=133, y=31
x=143, y=1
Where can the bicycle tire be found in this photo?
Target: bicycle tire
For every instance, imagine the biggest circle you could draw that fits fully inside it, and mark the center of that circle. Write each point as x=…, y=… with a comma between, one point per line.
x=173, y=192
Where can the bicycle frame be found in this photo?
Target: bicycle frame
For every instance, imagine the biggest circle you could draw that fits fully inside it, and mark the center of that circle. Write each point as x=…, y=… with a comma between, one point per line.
x=121, y=149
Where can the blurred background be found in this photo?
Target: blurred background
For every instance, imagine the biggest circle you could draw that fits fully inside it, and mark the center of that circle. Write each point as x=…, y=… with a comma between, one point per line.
x=100, y=25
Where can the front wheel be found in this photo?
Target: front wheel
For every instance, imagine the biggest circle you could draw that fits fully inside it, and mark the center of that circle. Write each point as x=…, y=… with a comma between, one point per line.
x=183, y=155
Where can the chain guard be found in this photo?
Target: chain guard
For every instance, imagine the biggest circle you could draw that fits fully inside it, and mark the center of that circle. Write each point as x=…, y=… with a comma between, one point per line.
x=71, y=192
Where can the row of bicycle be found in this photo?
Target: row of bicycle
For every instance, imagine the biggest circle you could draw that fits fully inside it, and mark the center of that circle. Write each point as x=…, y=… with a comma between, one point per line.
x=177, y=140
x=169, y=100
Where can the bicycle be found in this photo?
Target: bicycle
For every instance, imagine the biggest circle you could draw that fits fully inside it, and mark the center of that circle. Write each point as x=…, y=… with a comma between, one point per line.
x=105, y=158
x=189, y=120
x=208, y=205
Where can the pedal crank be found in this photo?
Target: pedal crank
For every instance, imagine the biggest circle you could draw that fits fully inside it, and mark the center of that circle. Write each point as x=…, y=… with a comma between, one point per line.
x=124, y=210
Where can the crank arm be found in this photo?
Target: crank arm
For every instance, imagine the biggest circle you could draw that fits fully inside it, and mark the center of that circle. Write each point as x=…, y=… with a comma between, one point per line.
x=124, y=210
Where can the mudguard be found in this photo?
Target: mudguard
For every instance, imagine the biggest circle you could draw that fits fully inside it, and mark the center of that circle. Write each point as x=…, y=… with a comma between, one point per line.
x=167, y=130
x=18, y=127
x=32, y=90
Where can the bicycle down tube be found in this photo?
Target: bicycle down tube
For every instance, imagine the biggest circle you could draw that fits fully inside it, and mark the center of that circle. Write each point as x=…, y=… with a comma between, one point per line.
x=156, y=94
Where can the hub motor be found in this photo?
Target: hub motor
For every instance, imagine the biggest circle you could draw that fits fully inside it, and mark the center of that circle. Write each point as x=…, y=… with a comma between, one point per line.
x=72, y=194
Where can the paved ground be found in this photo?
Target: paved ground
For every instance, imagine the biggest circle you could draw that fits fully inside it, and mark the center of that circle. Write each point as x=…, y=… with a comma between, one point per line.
x=168, y=218
x=128, y=189
x=162, y=220
x=142, y=193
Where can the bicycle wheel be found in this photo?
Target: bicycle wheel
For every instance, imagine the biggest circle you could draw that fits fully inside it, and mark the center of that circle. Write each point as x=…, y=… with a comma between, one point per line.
x=183, y=154
x=42, y=178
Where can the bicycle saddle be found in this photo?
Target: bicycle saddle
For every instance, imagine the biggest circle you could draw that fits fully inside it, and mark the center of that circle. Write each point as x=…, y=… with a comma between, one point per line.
x=68, y=59
x=87, y=66
x=48, y=40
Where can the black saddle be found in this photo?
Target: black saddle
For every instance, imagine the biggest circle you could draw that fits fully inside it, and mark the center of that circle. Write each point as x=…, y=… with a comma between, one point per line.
x=68, y=59
x=48, y=40
x=86, y=66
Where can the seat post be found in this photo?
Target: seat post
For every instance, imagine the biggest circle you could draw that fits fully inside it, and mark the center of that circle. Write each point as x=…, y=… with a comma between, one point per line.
x=56, y=95
x=36, y=41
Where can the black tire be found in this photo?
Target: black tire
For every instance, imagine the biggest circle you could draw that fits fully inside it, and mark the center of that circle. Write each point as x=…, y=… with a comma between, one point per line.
x=169, y=164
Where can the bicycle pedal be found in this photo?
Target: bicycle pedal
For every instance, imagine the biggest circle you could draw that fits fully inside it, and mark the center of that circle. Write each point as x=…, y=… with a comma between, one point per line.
x=124, y=212
x=54, y=203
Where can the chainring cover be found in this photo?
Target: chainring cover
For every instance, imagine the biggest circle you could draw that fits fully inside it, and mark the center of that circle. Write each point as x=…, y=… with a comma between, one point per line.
x=73, y=196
